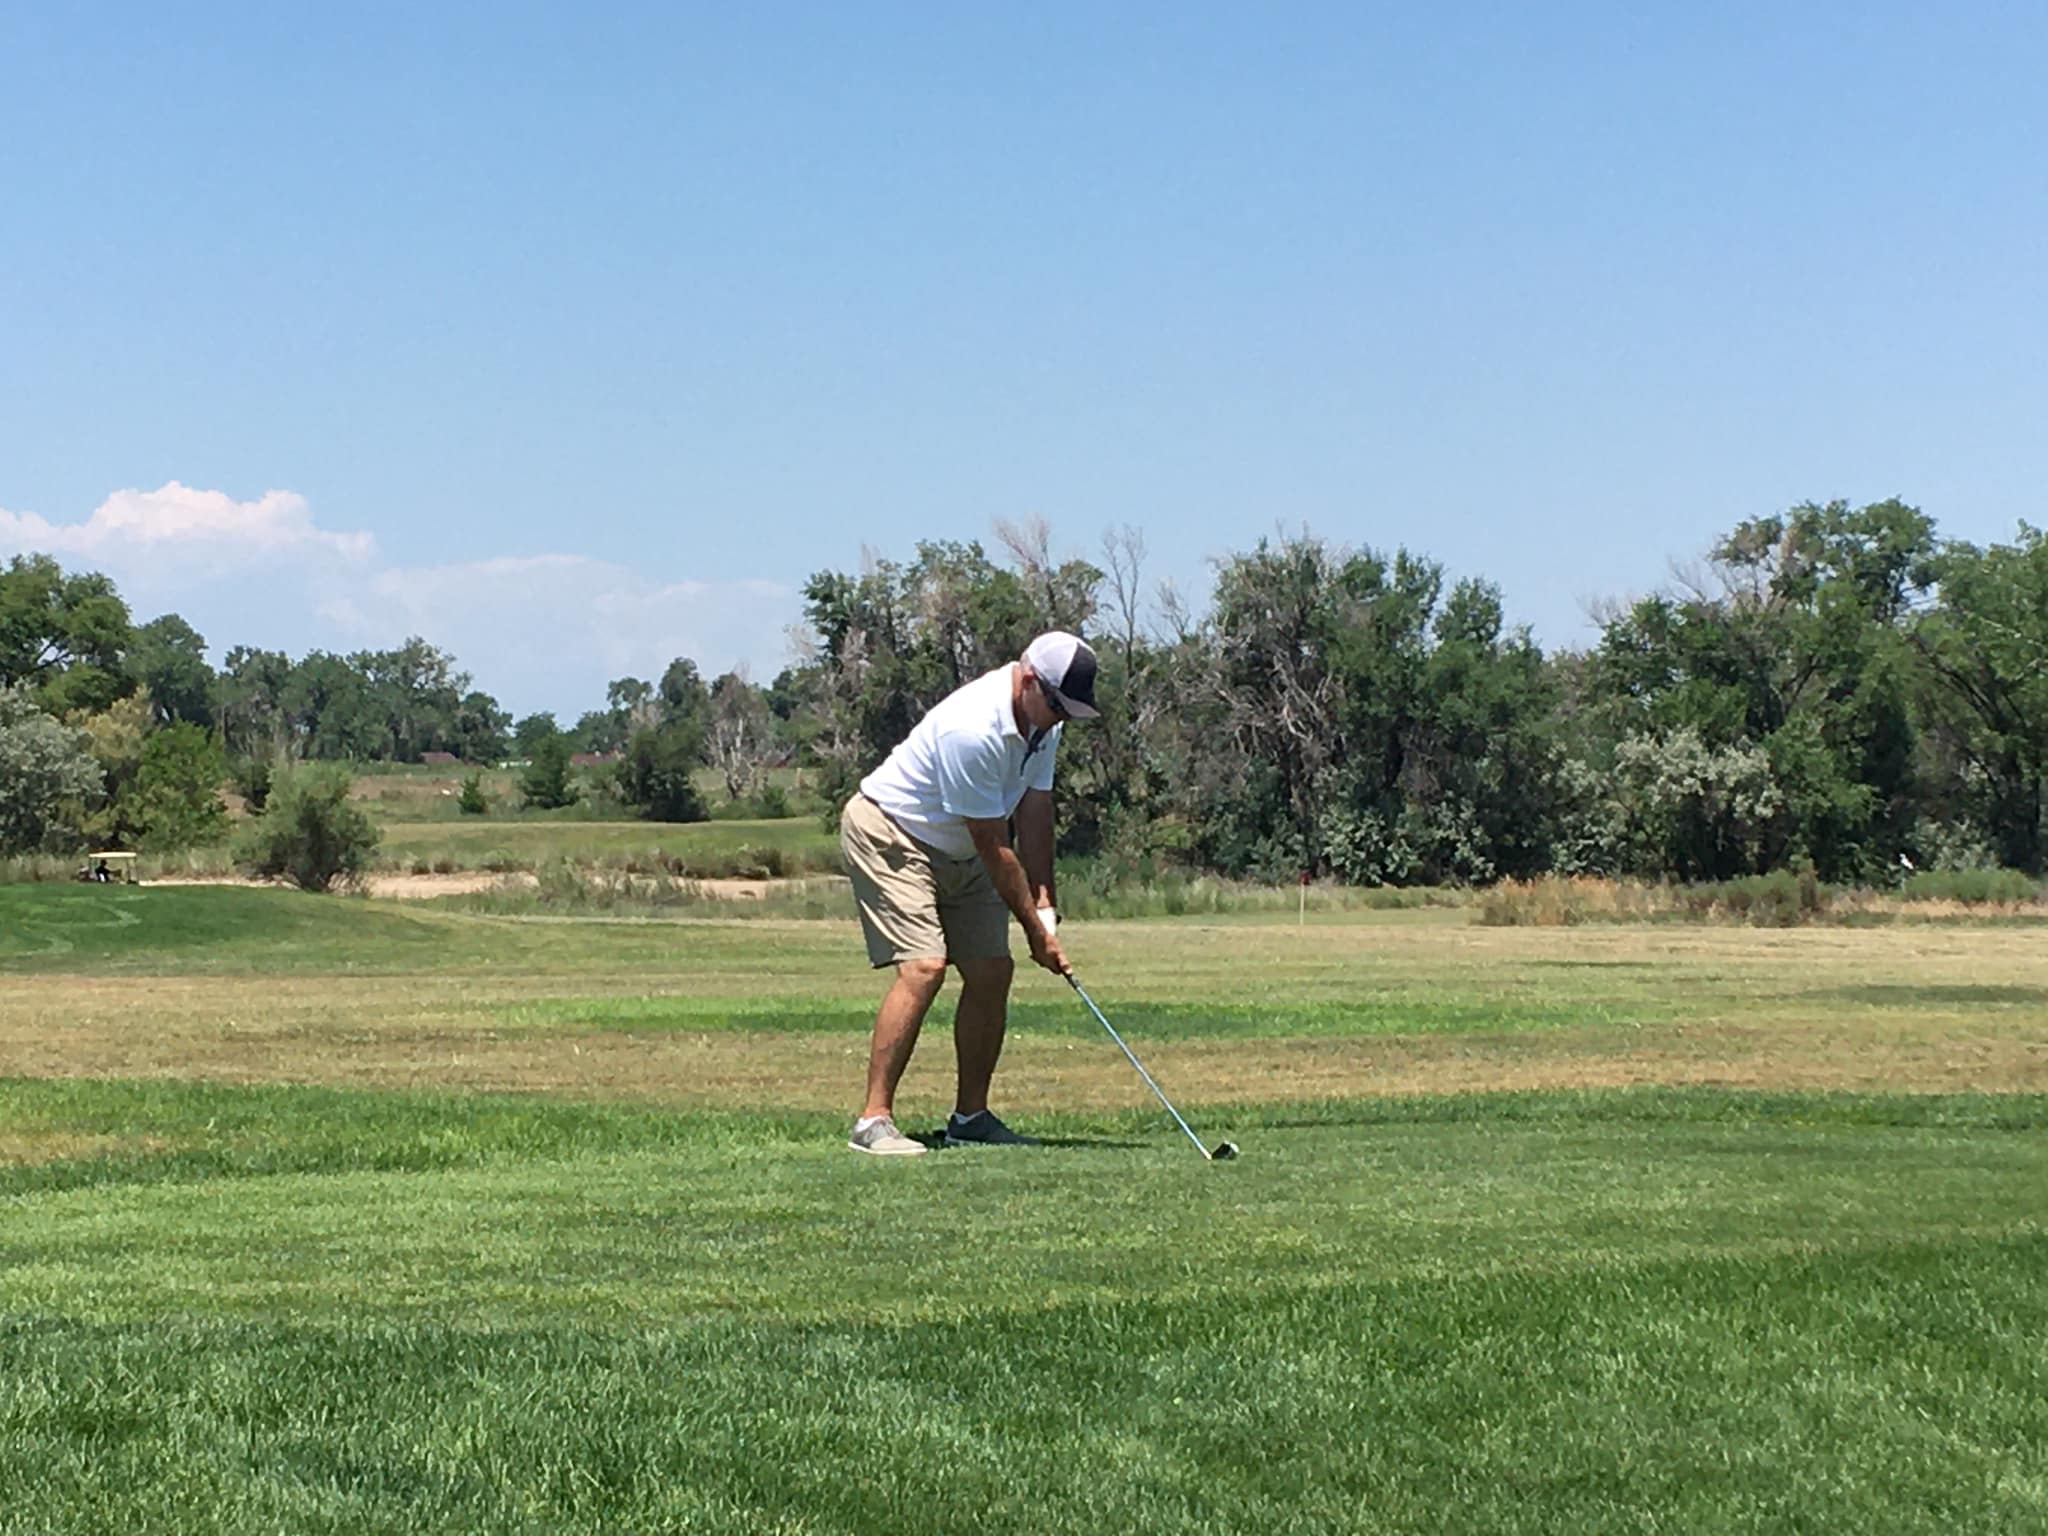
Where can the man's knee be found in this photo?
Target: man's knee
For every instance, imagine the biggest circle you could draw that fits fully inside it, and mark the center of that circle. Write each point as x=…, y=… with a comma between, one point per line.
x=990, y=974
x=926, y=973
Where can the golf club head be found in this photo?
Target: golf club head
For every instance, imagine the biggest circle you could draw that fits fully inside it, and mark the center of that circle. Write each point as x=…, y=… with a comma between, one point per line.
x=1225, y=1151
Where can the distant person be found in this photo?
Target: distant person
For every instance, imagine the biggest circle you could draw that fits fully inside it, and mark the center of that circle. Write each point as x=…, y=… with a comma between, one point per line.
x=927, y=842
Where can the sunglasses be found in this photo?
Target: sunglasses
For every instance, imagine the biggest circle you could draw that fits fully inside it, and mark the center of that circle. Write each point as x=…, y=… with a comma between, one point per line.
x=1052, y=700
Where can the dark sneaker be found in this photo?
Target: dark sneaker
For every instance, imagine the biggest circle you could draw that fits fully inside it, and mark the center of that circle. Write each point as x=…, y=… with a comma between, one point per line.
x=984, y=1130
x=881, y=1138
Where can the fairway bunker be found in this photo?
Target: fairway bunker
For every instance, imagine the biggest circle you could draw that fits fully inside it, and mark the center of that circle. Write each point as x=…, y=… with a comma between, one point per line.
x=1225, y=1150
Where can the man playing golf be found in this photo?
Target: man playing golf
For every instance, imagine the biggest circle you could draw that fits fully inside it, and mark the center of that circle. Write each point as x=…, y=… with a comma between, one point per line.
x=927, y=842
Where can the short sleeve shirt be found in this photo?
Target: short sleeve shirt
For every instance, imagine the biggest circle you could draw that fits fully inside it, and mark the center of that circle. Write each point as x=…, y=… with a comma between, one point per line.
x=965, y=759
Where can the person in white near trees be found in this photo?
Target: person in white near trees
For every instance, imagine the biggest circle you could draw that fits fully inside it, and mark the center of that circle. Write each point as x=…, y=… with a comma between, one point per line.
x=937, y=880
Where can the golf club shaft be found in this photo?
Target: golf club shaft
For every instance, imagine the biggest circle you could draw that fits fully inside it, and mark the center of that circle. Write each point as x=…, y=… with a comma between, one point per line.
x=1075, y=982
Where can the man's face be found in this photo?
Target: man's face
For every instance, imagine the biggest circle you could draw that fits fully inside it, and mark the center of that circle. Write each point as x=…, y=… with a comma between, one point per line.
x=1038, y=704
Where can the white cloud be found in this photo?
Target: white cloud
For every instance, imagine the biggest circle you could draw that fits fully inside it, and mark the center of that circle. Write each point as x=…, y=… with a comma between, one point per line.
x=537, y=631
x=179, y=518
x=561, y=620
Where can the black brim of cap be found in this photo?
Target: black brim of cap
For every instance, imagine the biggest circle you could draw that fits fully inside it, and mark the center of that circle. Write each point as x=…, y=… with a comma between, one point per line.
x=1074, y=709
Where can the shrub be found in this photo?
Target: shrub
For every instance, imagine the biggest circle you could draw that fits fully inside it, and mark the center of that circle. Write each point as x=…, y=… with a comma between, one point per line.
x=1763, y=901
x=45, y=774
x=309, y=833
x=1783, y=899
x=548, y=785
x=1974, y=887
x=656, y=774
x=472, y=801
x=1547, y=902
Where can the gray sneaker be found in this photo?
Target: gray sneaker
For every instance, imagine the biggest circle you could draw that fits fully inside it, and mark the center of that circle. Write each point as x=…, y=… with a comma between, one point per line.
x=984, y=1130
x=883, y=1139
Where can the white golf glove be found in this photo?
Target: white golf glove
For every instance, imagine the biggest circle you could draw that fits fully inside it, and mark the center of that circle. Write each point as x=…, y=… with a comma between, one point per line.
x=1051, y=919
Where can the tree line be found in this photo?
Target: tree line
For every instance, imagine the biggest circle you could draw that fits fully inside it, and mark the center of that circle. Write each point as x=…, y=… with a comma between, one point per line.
x=1834, y=686
x=122, y=733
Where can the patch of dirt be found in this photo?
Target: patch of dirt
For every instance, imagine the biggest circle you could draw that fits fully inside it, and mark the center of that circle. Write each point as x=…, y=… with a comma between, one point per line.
x=398, y=886
x=465, y=882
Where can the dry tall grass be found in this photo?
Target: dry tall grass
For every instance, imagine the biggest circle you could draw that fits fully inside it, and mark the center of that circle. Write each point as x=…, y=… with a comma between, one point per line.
x=1783, y=899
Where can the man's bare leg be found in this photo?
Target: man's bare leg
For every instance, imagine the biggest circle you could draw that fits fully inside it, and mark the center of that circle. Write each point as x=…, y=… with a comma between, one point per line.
x=979, y=1020
x=902, y=1015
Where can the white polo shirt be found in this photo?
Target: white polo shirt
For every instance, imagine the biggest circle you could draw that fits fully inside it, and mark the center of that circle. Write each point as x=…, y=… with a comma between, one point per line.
x=965, y=758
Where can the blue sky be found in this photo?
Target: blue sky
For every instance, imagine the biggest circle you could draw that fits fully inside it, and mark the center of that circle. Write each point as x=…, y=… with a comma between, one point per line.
x=577, y=337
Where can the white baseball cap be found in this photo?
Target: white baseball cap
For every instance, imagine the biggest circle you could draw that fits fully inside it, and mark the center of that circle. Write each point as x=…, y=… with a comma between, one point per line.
x=1065, y=667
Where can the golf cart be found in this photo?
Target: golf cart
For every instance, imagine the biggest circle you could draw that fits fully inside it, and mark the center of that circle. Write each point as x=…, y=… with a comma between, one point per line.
x=108, y=868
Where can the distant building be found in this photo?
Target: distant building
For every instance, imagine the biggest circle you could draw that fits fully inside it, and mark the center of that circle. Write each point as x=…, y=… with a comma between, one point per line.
x=441, y=759
x=593, y=759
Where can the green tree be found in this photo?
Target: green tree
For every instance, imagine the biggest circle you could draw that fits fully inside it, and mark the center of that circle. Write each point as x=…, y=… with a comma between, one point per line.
x=46, y=773
x=482, y=729
x=895, y=640
x=167, y=660
x=1302, y=709
x=64, y=636
x=250, y=702
x=630, y=701
x=1986, y=641
x=533, y=730
x=1480, y=756
x=630, y=705
x=549, y=783
x=335, y=713
x=596, y=730
x=417, y=693
x=657, y=775
x=117, y=737
x=472, y=801
x=309, y=833
x=682, y=697
x=1795, y=645
x=175, y=802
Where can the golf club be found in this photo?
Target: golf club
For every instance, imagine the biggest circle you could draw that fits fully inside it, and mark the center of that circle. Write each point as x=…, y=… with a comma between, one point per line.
x=1225, y=1150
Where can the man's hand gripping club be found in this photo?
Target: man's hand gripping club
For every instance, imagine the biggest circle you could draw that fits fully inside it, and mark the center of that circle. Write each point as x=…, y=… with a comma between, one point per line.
x=1013, y=884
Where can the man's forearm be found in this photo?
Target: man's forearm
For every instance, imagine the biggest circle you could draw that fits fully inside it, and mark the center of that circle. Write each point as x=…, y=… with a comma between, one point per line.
x=1006, y=870
x=1034, y=850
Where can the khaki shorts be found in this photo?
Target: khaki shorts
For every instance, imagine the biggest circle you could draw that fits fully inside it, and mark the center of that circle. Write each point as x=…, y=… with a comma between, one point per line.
x=917, y=903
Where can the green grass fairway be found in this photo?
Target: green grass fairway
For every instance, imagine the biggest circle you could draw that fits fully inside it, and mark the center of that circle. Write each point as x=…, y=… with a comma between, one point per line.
x=1594, y=1231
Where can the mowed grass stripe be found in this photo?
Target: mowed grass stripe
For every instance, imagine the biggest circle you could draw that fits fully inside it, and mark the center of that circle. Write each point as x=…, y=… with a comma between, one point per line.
x=64, y=1133
x=1897, y=1388
x=1398, y=1012
x=591, y=1220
